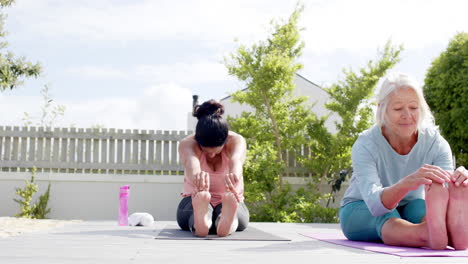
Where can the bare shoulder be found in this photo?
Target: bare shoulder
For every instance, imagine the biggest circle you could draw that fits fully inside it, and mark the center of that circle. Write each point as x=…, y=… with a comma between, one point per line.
x=234, y=140
x=189, y=144
x=234, y=137
x=188, y=140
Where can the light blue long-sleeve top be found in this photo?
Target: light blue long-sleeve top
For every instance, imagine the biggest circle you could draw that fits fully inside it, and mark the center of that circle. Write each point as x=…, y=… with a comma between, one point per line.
x=377, y=166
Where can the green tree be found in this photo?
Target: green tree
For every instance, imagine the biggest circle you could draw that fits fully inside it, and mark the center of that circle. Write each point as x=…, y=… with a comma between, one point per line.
x=277, y=125
x=12, y=69
x=350, y=99
x=283, y=123
x=446, y=91
x=268, y=70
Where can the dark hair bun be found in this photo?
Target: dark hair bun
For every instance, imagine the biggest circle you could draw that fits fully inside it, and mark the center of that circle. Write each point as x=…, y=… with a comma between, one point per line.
x=208, y=108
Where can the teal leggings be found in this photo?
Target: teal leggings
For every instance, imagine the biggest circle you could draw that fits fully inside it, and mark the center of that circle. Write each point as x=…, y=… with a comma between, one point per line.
x=359, y=224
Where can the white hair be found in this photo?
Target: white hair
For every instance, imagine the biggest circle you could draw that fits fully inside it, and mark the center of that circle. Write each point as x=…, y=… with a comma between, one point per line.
x=396, y=81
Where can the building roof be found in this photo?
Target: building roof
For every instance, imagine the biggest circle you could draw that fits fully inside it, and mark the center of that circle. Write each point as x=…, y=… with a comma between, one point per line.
x=297, y=74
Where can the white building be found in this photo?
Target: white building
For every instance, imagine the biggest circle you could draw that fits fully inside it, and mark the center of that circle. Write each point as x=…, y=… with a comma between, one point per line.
x=317, y=97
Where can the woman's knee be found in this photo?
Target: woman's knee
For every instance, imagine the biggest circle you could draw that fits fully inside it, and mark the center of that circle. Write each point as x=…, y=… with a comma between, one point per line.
x=414, y=211
x=357, y=223
x=184, y=212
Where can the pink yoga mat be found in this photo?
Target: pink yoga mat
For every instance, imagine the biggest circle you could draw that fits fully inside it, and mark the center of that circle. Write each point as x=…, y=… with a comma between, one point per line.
x=340, y=239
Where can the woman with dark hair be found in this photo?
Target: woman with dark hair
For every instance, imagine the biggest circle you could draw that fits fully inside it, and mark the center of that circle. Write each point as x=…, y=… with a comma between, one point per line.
x=213, y=184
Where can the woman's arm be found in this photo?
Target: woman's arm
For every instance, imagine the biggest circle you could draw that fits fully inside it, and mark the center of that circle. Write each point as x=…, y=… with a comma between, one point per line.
x=392, y=195
x=237, y=150
x=189, y=158
x=427, y=174
x=366, y=176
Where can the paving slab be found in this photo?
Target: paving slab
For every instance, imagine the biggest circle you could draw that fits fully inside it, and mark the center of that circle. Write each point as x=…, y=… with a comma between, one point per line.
x=106, y=242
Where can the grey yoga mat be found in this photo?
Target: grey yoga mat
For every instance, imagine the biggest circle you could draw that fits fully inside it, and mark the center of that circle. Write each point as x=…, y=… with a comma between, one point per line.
x=173, y=232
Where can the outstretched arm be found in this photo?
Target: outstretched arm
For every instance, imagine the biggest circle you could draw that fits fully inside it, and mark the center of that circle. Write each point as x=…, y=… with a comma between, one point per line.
x=189, y=159
x=237, y=153
x=237, y=149
x=427, y=174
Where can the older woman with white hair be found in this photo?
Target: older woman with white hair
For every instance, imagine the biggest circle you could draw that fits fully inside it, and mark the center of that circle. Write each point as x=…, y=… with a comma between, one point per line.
x=403, y=190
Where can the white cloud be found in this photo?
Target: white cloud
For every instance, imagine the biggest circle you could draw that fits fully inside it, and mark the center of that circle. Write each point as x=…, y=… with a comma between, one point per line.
x=12, y=108
x=350, y=25
x=361, y=25
x=145, y=20
x=95, y=72
x=338, y=33
x=183, y=72
x=161, y=107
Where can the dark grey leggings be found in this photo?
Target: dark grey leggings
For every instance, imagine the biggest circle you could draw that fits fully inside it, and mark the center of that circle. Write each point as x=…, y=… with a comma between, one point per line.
x=185, y=215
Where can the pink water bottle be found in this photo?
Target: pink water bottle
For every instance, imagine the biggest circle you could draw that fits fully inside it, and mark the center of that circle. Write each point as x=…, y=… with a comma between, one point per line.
x=123, y=205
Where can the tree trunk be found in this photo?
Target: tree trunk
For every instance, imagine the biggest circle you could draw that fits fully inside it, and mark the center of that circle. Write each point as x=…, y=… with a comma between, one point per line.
x=277, y=135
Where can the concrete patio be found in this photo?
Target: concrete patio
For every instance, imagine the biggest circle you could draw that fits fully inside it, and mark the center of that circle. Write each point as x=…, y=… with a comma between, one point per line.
x=105, y=242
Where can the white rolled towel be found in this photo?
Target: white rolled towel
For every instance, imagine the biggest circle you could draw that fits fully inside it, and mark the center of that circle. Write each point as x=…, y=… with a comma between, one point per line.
x=140, y=219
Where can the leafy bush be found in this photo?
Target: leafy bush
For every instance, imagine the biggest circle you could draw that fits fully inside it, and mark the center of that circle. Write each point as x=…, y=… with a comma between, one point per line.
x=446, y=90
x=40, y=210
x=37, y=210
x=27, y=193
x=270, y=201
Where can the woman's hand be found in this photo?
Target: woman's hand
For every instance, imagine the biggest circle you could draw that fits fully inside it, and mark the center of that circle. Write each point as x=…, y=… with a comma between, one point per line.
x=202, y=181
x=231, y=180
x=460, y=176
x=427, y=174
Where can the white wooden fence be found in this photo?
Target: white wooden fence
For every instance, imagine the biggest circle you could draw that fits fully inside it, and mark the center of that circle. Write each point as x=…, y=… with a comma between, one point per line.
x=103, y=151
x=107, y=151
x=93, y=163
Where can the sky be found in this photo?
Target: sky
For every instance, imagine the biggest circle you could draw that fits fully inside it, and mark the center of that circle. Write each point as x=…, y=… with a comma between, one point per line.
x=136, y=64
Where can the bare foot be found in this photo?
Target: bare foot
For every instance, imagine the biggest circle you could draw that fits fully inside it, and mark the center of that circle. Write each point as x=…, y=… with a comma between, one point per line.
x=457, y=216
x=202, y=221
x=228, y=221
x=436, y=211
